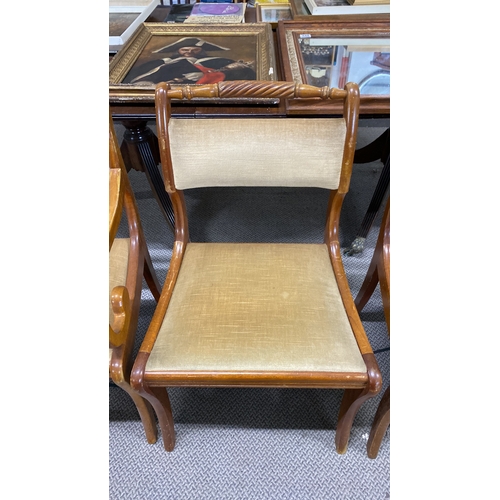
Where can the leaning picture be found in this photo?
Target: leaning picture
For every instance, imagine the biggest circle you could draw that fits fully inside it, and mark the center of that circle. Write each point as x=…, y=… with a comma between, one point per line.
x=191, y=54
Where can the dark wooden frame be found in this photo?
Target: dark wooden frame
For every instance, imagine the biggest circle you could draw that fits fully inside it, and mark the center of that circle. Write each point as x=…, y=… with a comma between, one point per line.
x=358, y=387
x=287, y=33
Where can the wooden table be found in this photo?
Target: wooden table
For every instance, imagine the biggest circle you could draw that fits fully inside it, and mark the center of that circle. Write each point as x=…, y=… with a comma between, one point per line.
x=140, y=145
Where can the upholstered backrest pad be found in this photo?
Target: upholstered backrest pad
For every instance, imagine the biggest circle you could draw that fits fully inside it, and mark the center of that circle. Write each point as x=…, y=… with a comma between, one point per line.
x=288, y=152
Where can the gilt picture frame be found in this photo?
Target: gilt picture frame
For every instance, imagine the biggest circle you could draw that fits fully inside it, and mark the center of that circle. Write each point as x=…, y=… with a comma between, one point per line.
x=326, y=54
x=169, y=52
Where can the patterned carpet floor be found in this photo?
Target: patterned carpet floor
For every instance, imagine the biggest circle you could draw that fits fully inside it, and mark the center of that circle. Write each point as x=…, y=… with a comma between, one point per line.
x=255, y=443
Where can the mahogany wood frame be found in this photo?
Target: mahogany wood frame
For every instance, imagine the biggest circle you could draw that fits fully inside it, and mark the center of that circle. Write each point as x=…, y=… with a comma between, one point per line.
x=379, y=272
x=363, y=27
x=125, y=300
x=357, y=388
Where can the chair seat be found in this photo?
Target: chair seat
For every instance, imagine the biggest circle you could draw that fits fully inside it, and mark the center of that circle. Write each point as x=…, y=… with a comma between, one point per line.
x=255, y=307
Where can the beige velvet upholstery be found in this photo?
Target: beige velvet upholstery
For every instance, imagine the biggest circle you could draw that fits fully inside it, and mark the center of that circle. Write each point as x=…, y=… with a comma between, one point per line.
x=118, y=266
x=275, y=153
x=256, y=307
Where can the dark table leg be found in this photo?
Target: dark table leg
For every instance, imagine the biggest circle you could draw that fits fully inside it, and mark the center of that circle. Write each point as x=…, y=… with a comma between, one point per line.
x=378, y=149
x=140, y=151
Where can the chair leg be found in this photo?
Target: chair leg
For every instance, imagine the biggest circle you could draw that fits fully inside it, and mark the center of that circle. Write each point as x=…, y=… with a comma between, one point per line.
x=353, y=399
x=379, y=426
x=158, y=397
x=351, y=402
x=145, y=412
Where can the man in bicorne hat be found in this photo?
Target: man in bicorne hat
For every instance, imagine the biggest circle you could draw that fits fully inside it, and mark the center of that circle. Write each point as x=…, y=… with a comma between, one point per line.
x=191, y=65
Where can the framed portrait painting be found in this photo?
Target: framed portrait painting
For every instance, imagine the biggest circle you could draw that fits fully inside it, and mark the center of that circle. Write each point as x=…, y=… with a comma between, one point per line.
x=190, y=54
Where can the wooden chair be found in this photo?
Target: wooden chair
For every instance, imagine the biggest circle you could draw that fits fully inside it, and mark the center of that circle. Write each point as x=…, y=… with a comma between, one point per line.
x=129, y=260
x=379, y=272
x=257, y=314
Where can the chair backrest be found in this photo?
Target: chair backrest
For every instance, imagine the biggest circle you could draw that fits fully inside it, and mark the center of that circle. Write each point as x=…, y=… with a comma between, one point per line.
x=271, y=151
x=295, y=152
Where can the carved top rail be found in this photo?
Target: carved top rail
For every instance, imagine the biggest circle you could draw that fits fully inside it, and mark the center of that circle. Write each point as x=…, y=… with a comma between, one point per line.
x=253, y=89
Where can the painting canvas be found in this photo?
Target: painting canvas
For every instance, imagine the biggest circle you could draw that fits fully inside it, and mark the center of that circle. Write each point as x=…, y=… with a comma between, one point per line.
x=194, y=59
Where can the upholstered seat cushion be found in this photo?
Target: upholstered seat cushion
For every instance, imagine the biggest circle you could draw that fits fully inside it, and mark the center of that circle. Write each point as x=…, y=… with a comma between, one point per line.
x=118, y=267
x=256, y=307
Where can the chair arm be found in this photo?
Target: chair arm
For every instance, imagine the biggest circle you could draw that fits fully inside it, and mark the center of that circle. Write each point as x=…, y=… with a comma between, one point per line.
x=120, y=304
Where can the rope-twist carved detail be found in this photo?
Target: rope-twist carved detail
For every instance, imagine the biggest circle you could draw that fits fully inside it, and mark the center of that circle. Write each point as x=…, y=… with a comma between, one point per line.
x=255, y=89
x=241, y=88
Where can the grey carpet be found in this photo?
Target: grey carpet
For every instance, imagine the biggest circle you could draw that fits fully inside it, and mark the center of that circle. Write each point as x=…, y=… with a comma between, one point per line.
x=255, y=443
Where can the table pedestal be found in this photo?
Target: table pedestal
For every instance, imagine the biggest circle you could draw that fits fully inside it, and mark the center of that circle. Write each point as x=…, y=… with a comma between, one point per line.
x=140, y=151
